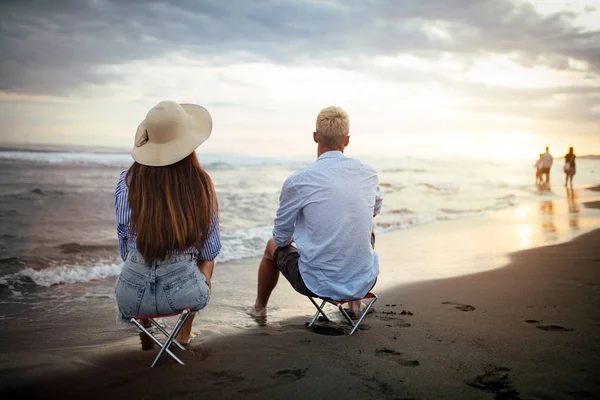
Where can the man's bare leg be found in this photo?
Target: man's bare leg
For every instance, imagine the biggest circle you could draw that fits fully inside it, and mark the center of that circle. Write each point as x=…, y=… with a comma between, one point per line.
x=354, y=308
x=268, y=275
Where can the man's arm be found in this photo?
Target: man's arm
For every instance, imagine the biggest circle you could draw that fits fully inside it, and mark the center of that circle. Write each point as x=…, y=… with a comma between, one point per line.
x=289, y=207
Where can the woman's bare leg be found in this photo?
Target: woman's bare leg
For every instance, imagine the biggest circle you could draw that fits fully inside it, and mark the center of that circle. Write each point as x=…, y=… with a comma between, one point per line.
x=185, y=334
x=147, y=342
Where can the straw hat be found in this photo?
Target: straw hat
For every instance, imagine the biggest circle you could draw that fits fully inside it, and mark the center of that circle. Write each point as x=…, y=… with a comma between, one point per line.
x=170, y=133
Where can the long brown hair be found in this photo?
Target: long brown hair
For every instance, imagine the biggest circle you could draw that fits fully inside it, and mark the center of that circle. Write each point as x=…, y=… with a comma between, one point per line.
x=171, y=207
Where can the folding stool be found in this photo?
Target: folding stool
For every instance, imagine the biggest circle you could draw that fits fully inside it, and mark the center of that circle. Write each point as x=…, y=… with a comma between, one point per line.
x=185, y=313
x=340, y=306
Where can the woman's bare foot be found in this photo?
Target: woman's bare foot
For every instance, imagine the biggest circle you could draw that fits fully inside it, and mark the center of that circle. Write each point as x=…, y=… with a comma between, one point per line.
x=185, y=339
x=147, y=342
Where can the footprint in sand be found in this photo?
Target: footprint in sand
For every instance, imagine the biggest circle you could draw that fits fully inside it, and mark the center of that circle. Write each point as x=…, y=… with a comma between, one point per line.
x=548, y=327
x=396, y=357
x=290, y=374
x=279, y=378
x=461, y=307
x=495, y=380
x=393, y=321
x=329, y=329
x=225, y=377
x=403, y=312
x=553, y=328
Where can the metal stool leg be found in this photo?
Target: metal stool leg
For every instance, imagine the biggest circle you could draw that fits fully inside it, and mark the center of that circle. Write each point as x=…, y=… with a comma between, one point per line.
x=319, y=311
x=364, y=314
x=133, y=320
x=160, y=328
x=184, y=315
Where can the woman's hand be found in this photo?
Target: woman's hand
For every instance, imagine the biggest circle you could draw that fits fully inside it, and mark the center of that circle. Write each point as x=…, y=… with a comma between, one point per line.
x=207, y=267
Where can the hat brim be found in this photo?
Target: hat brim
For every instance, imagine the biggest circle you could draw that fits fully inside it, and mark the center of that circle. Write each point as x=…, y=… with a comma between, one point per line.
x=197, y=130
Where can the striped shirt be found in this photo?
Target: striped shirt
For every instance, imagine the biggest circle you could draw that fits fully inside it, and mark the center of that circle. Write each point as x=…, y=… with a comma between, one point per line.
x=211, y=248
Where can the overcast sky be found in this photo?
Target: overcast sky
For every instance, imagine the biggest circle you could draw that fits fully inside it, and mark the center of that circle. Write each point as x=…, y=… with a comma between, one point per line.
x=421, y=78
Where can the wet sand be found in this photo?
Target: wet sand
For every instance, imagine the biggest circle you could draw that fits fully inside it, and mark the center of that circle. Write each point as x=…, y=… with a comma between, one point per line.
x=528, y=329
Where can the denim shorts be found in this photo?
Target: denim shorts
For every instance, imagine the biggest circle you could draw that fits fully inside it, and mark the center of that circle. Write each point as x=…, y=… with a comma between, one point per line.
x=163, y=287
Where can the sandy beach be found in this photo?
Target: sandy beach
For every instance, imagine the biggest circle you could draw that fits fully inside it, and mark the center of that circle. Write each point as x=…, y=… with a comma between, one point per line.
x=528, y=327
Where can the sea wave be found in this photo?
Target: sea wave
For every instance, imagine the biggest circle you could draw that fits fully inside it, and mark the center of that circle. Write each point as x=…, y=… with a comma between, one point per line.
x=501, y=203
x=406, y=221
x=60, y=275
x=123, y=160
x=244, y=243
x=67, y=158
x=440, y=188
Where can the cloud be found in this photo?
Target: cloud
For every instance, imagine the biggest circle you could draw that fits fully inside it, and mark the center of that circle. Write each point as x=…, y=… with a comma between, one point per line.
x=54, y=47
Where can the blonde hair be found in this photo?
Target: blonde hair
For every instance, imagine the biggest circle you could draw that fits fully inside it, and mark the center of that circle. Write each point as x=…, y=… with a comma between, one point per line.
x=333, y=125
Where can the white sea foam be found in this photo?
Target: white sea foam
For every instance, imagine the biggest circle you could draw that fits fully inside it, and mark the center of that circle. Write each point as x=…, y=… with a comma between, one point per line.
x=244, y=243
x=404, y=221
x=124, y=159
x=68, y=158
x=60, y=275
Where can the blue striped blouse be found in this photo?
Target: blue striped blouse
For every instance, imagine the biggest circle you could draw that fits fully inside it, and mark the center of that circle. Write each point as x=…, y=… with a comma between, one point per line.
x=211, y=248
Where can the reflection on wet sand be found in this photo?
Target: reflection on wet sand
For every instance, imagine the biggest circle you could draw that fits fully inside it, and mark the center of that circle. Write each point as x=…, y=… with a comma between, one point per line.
x=573, y=200
x=547, y=218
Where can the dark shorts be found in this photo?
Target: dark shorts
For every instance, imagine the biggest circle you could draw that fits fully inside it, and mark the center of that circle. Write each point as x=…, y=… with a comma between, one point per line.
x=286, y=260
x=545, y=171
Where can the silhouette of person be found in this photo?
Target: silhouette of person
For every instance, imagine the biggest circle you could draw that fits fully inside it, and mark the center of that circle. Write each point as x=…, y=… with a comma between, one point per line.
x=569, y=167
x=546, y=164
x=538, y=170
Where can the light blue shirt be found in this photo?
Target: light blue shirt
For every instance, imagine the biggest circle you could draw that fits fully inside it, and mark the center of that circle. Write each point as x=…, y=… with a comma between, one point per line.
x=329, y=208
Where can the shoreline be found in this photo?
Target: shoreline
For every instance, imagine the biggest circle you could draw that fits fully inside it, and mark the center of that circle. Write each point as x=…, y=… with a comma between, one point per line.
x=577, y=205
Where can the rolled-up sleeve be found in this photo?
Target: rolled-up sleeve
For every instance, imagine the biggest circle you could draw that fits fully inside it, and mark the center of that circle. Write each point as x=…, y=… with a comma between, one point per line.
x=212, y=246
x=123, y=215
x=285, y=220
x=378, y=201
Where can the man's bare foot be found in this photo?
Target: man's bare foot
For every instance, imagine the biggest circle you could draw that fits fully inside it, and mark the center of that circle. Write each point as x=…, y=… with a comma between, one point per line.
x=259, y=314
x=256, y=311
x=356, y=308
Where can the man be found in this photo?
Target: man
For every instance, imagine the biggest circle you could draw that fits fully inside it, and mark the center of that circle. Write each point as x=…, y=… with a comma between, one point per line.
x=322, y=236
x=546, y=164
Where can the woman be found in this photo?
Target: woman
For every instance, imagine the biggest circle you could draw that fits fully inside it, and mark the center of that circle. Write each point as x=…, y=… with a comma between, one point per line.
x=167, y=219
x=569, y=168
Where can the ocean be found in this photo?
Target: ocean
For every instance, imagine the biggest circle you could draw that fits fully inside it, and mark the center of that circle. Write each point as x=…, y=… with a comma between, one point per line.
x=58, y=222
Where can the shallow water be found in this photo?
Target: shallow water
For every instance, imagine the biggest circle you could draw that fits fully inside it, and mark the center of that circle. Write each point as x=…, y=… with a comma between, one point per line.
x=58, y=223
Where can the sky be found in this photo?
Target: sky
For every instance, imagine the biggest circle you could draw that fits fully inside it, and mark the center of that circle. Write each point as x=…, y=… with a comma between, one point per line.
x=491, y=78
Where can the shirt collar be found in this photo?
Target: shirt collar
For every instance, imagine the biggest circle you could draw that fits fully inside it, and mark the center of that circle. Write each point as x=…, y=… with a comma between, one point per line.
x=331, y=154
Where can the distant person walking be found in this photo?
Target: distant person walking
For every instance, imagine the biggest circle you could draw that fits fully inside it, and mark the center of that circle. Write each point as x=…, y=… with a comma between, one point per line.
x=538, y=170
x=569, y=167
x=546, y=164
